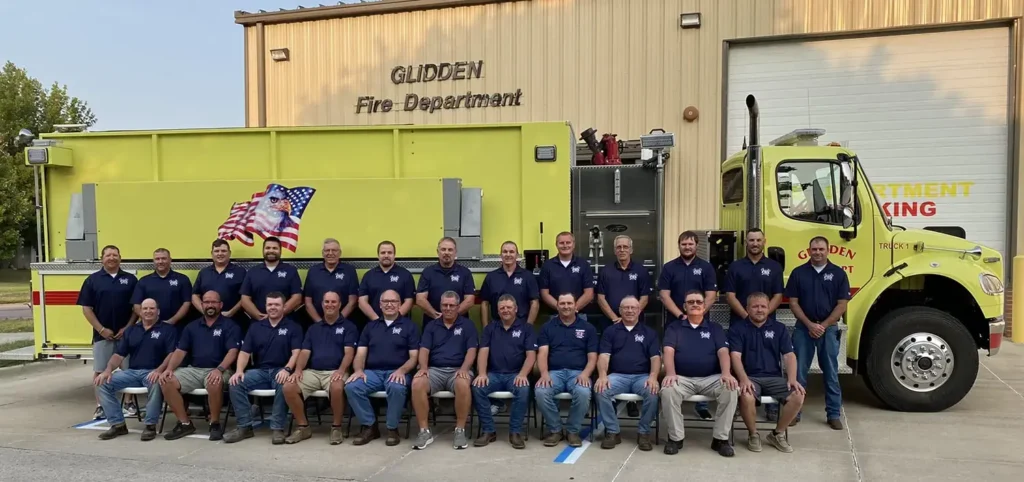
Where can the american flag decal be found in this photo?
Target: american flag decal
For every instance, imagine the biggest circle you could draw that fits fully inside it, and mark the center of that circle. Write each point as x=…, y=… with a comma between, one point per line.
x=276, y=211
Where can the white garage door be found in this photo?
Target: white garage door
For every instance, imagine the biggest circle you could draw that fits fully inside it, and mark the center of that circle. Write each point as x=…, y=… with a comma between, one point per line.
x=926, y=113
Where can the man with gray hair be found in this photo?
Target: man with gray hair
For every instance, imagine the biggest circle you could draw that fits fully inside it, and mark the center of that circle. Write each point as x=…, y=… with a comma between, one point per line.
x=446, y=356
x=444, y=276
x=621, y=279
x=331, y=275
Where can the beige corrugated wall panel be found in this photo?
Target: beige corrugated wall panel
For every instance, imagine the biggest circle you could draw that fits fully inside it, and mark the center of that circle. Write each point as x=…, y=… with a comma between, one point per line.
x=251, y=79
x=621, y=66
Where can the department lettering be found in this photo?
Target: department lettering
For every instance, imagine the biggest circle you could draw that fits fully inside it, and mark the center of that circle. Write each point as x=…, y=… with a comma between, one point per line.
x=444, y=71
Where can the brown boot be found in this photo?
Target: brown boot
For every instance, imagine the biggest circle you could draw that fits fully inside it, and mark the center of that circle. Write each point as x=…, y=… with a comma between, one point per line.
x=645, y=442
x=574, y=440
x=552, y=439
x=485, y=439
x=611, y=440
x=516, y=439
x=393, y=438
x=368, y=433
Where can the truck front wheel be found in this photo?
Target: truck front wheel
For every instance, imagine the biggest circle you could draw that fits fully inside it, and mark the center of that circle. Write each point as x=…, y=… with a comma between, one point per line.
x=922, y=360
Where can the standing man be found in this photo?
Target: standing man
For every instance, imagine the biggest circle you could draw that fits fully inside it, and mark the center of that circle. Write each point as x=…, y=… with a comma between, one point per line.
x=387, y=275
x=273, y=276
x=508, y=350
x=629, y=363
x=105, y=299
x=226, y=279
x=509, y=279
x=323, y=364
x=566, y=357
x=446, y=355
x=758, y=348
x=171, y=290
x=621, y=279
x=445, y=276
x=275, y=342
x=384, y=360
x=697, y=363
x=331, y=275
x=566, y=273
x=818, y=292
x=212, y=341
x=148, y=346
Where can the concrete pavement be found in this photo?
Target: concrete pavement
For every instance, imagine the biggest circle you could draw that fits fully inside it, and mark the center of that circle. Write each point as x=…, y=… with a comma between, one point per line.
x=15, y=311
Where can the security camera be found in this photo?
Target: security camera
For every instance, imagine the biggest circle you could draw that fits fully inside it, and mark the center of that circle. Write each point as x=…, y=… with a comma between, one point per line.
x=24, y=138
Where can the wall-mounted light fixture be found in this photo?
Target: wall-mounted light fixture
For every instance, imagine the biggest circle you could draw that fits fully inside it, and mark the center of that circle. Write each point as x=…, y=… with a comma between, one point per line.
x=690, y=20
x=279, y=55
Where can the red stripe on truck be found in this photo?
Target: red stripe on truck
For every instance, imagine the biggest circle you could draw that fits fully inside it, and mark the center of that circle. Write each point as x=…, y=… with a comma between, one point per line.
x=56, y=298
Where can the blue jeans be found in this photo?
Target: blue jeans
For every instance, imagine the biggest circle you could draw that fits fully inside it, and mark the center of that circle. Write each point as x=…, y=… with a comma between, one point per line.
x=258, y=379
x=618, y=384
x=126, y=379
x=501, y=382
x=563, y=381
x=358, y=396
x=827, y=347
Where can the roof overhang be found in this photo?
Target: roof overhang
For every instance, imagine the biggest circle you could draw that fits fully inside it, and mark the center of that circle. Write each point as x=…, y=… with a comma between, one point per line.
x=380, y=7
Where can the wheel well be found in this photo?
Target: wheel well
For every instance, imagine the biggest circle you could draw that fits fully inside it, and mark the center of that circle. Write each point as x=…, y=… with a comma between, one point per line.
x=934, y=291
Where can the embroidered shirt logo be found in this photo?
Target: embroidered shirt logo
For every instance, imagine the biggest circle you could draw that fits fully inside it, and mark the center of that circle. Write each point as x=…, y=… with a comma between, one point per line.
x=217, y=332
x=124, y=281
x=827, y=276
x=638, y=338
x=766, y=272
x=281, y=274
x=396, y=331
x=282, y=331
x=697, y=271
x=229, y=275
x=339, y=276
x=457, y=332
x=517, y=334
x=705, y=335
x=172, y=282
x=394, y=278
x=632, y=276
x=155, y=335
x=581, y=333
x=339, y=330
x=575, y=269
x=455, y=278
x=515, y=281
x=769, y=335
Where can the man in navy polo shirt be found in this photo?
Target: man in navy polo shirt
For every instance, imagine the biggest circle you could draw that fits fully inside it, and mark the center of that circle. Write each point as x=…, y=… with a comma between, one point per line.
x=226, y=279
x=323, y=364
x=272, y=276
x=818, y=292
x=566, y=273
x=384, y=361
x=274, y=342
x=510, y=279
x=697, y=363
x=446, y=356
x=621, y=279
x=566, y=356
x=171, y=290
x=331, y=275
x=387, y=275
x=446, y=275
x=212, y=343
x=148, y=346
x=105, y=299
x=753, y=273
x=758, y=348
x=630, y=361
x=508, y=351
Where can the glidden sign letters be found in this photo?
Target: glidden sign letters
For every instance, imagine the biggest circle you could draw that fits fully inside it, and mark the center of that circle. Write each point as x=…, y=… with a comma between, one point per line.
x=445, y=71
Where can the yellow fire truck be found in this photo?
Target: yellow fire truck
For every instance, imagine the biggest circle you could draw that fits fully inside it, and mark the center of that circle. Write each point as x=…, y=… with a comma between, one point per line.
x=924, y=302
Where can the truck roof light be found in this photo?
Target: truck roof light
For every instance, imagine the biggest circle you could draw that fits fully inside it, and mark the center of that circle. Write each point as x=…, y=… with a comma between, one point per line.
x=799, y=137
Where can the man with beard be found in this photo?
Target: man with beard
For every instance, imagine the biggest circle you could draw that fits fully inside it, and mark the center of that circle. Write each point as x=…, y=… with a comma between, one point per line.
x=566, y=273
x=387, y=275
x=510, y=279
x=171, y=290
x=331, y=275
x=212, y=341
x=446, y=275
x=226, y=279
x=272, y=276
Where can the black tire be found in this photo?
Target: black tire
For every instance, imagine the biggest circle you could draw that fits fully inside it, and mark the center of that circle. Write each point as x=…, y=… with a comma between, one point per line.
x=896, y=325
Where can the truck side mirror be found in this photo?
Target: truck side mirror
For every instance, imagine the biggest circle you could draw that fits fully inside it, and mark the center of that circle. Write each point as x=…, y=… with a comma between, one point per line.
x=778, y=255
x=847, y=218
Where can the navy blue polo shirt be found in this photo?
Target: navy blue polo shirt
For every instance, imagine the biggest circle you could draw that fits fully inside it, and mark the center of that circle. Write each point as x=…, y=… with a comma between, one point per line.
x=209, y=344
x=521, y=284
x=388, y=347
x=630, y=350
x=572, y=278
x=448, y=346
x=327, y=341
x=507, y=348
x=319, y=280
x=260, y=281
x=435, y=280
x=169, y=292
x=616, y=283
x=818, y=293
x=110, y=297
x=375, y=282
x=568, y=345
x=696, y=349
x=746, y=277
x=679, y=278
x=272, y=345
x=761, y=348
x=227, y=283
x=147, y=349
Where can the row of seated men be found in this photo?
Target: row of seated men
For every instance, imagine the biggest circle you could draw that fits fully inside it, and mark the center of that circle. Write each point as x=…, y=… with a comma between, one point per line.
x=392, y=356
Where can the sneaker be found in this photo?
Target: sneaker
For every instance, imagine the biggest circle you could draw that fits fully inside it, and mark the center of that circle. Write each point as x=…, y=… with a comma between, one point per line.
x=98, y=414
x=180, y=430
x=367, y=433
x=835, y=424
x=702, y=411
x=672, y=447
x=423, y=439
x=495, y=409
x=393, y=438
x=516, y=439
x=485, y=438
x=754, y=442
x=238, y=434
x=771, y=412
x=299, y=434
x=277, y=437
x=574, y=440
x=461, y=440
x=552, y=439
x=645, y=442
x=611, y=440
x=149, y=433
x=722, y=447
x=130, y=410
x=779, y=440
x=216, y=431
x=115, y=431
x=336, y=435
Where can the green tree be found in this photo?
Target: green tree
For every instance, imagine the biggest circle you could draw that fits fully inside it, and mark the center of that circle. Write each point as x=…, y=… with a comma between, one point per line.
x=25, y=104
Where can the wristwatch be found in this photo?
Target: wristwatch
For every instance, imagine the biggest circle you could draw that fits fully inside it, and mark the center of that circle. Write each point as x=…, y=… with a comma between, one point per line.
x=221, y=369
x=289, y=370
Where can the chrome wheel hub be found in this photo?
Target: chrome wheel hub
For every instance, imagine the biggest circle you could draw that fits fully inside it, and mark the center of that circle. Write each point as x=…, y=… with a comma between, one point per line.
x=922, y=362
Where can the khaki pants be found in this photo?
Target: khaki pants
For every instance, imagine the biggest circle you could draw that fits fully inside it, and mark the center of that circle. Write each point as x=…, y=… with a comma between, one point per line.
x=192, y=378
x=672, y=399
x=313, y=380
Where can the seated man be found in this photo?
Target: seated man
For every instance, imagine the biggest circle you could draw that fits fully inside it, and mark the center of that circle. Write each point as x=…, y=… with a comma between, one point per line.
x=508, y=350
x=758, y=347
x=697, y=363
x=148, y=346
x=446, y=356
x=275, y=342
x=323, y=364
x=566, y=357
x=385, y=357
x=212, y=341
x=630, y=361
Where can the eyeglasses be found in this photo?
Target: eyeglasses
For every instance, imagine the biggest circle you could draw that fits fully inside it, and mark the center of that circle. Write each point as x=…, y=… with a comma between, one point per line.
x=389, y=302
x=695, y=302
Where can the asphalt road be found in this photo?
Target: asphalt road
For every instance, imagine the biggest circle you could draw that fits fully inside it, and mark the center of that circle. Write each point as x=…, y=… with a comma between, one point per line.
x=12, y=312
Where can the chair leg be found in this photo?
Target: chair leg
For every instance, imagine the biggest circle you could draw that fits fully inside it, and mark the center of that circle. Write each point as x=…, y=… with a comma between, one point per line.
x=163, y=418
x=138, y=408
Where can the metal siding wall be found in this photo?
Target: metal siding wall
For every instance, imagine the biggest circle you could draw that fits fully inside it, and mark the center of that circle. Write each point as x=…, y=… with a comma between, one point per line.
x=251, y=76
x=633, y=69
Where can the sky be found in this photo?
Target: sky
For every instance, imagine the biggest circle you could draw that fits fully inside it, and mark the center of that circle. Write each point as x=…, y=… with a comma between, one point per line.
x=143, y=64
